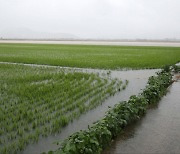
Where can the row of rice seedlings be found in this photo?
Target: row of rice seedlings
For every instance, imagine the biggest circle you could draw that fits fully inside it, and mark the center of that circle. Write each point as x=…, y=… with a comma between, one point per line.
x=37, y=102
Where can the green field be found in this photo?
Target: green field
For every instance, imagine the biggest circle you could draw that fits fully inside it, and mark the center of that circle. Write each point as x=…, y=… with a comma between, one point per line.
x=38, y=101
x=90, y=56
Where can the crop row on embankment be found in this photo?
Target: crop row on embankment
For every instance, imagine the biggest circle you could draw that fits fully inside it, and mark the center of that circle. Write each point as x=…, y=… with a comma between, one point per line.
x=100, y=135
x=90, y=56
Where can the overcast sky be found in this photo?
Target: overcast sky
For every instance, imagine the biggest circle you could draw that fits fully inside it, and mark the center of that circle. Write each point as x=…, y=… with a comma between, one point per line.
x=118, y=19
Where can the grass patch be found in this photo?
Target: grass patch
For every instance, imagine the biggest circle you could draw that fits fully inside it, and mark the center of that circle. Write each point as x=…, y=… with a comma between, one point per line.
x=90, y=56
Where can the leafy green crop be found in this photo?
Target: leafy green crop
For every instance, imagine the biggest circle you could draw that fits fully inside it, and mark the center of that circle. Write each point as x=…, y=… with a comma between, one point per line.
x=97, y=137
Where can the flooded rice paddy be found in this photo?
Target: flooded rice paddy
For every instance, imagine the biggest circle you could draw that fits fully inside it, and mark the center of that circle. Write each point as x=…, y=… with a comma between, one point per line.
x=137, y=81
x=156, y=132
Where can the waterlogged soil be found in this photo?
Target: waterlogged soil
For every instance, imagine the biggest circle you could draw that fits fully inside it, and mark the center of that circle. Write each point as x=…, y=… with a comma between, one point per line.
x=137, y=81
x=157, y=132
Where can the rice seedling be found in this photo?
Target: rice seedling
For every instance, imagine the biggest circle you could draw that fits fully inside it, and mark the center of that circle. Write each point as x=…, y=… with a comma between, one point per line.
x=38, y=101
x=90, y=56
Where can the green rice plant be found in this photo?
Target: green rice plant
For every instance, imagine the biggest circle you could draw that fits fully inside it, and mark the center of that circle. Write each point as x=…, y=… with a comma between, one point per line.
x=90, y=56
x=39, y=101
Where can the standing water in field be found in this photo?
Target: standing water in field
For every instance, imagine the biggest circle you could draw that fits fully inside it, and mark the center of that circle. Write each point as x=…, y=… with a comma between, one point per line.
x=157, y=132
x=137, y=81
x=39, y=101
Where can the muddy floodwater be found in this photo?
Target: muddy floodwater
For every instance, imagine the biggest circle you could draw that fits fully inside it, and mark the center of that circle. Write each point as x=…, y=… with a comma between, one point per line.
x=137, y=81
x=157, y=132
